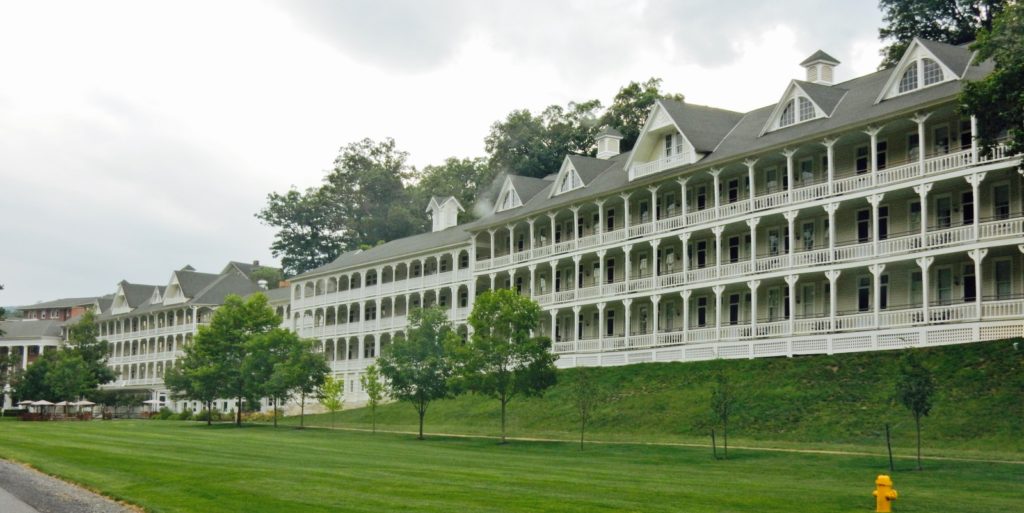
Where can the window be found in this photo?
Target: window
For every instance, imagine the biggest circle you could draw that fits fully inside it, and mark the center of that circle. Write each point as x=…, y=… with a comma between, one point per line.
x=883, y=222
x=807, y=170
x=966, y=136
x=883, y=289
x=702, y=311
x=863, y=294
x=1004, y=279
x=912, y=146
x=970, y=284
x=806, y=109
x=940, y=141
x=610, y=323
x=932, y=72
x=788, y=115
x=881, y=152
x=610, y=219
x=771, y=179
x=967, y=207
x=668, y=145
x=570, y=181
x=914, y=219
x=734, y=249
x=1001, y=203
x=915, y=288
x=863, y=226
x=808, y=234
x=734, y=308
x=908, y=82
x=862, y=160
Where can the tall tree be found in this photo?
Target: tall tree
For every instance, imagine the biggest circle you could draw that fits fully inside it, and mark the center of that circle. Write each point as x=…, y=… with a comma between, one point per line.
x=502, y=359
x=722, y=400
x=266, y=354
x=915, y=389
x=195, y=376
x=309, y=231
x=374, y=388
x=307, y=369
x=466, y=179
x=418, y=368
x=31, y=383
x=69, y=377
x=628, y=111
x=331, y=396
x=534, y=145
x=946, y=21
x=996, y=100
x=83, y=341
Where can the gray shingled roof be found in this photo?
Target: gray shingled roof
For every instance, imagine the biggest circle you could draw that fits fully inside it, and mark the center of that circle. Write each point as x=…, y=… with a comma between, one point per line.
x=528, y=187
x=820, y=55
x=703, y=126
x=826, y=97
x=232, y=282
x=956, y=57
x=588, y=167
x=136, y=294
x=30, y=329
x=609, y=131
x=192, y=282
x=61, y=303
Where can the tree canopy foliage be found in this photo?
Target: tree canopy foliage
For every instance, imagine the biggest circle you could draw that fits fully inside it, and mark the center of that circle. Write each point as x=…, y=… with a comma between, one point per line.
x=946, y=21
x=997, y=99
x=74, y=370
x=372, y=194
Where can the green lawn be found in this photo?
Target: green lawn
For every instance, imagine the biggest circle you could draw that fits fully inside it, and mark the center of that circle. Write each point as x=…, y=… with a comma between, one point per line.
x=841, y=401
x=184, y=466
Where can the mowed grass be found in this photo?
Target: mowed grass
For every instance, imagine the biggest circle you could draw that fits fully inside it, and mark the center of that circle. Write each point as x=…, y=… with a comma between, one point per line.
x=836, y=401
x=188, y=467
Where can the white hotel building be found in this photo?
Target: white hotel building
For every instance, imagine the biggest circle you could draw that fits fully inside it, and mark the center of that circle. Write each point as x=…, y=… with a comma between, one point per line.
x=849, y=216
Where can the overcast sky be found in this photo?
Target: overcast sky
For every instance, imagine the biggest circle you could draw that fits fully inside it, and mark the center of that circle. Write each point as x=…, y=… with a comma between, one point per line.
x=136, y=138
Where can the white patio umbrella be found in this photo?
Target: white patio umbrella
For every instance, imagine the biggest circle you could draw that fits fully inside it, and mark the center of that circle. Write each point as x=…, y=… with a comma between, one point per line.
x=25, y=403
x=42, y=404
x=84, y=402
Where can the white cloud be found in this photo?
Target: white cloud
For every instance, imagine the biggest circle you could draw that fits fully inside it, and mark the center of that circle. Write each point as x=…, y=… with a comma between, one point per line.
x=138, y=137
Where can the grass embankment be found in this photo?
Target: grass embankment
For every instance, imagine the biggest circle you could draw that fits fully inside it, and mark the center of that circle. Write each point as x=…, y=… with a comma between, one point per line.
x=188, y=467
x=840, y=401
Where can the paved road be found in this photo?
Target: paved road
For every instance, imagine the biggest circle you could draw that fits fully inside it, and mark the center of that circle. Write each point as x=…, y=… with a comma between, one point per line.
x=23, y=490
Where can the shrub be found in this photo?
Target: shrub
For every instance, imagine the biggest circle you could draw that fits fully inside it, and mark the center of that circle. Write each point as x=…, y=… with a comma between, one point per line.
x=165, y=413
x=257, y=416
x=185, y=414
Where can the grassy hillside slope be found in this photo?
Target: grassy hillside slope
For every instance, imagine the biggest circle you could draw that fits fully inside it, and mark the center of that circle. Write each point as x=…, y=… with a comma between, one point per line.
x=839, y=399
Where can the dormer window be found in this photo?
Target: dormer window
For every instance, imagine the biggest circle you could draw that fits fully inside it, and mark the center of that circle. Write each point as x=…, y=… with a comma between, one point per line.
x=806, y=109
x=508, y=201
x=788, y=115
x=570, y=181
x=922, y=68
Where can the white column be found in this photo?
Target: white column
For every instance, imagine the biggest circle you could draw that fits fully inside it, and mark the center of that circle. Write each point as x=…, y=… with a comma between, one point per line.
x=576, y=277
x=511, y=279
x=977, y=255
x=752, y=223
x=362, y=347
x=831, y=210
x=491, y=231
x=600, y=324
x=750, y=179
x=530, y=222
x=655, y=300
x=714, y=172
x=920, y=119
x=974, y=147
x=830, y=155
x=654, y=252
x=788, y=153
x=554, y=324
x=24, y=357
x=876, y=273
x=576, y=326
x=533, y=279
x=833, y=278
x=924, y=263
x=874, y=200
x=625, y=211
x=654, y=202
x=872, y=132
x=753, y=284
x=600, y=217
x=554, y=275
x=626, y=249
x=627, y=303
x=682, y=200
x=599, y=279
x=718, y=248
x=685, y=239
x=922, y=192
x=551, y=216
x=493, y=276
x=511, y=238
x=791, y=283
x=686, y=312
x=718, y=289
x=975, y=182
x=791, y=237
x=575, y=222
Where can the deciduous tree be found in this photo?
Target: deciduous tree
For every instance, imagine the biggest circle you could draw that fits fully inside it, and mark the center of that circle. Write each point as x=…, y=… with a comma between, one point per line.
x=418, y=368
x=374, y=388
x=587, y=395
x=722, y=400
x=915, y=390
x=309, y=229
x=503, y=359
x=996, y=100
x=628, y=111
x=534, y=145
x=332, y=395
x=946, y=21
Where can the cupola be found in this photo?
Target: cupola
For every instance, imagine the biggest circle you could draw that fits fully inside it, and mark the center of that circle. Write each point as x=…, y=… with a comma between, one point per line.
x=608, y=143
x=820, y=68
x=444, y=212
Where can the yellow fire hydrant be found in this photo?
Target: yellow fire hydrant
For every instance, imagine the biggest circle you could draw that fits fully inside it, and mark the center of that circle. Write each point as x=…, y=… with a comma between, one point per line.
x=884, y=494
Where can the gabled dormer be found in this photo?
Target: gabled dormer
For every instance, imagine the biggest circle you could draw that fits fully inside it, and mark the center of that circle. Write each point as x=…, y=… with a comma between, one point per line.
x=156, y=297
x=676, y=134
x=444, y=212
x=120, y=304
x=803, y=102
x=925, y=64
x=508, y=197
x=174, y=295
x=567, y=180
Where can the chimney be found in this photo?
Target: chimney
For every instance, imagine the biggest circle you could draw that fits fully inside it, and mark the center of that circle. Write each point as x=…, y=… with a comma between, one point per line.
x=256, y=263
x=444, y=211
x=608, y=143
x=820, y=68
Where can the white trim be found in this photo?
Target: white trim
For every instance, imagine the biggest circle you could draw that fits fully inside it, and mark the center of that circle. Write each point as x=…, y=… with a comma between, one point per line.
x=913, y=55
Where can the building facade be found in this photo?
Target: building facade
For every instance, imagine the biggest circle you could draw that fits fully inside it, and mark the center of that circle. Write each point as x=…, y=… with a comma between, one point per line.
x=849, y=216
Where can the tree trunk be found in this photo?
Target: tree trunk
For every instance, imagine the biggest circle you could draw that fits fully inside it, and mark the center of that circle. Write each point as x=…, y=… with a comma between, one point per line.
x=714, y=445
x=503, y=419
x=373, y=417
x=917, y=420
x=209, y=411
x=583, y=427
x=238, y=411
x=302, y=410
x=275, y=412
x=725, y=437
x=422, y=413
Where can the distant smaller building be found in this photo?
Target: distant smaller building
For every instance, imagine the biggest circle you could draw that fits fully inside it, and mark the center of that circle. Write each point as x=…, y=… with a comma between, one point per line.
x=64, y=309
x=24, y=342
